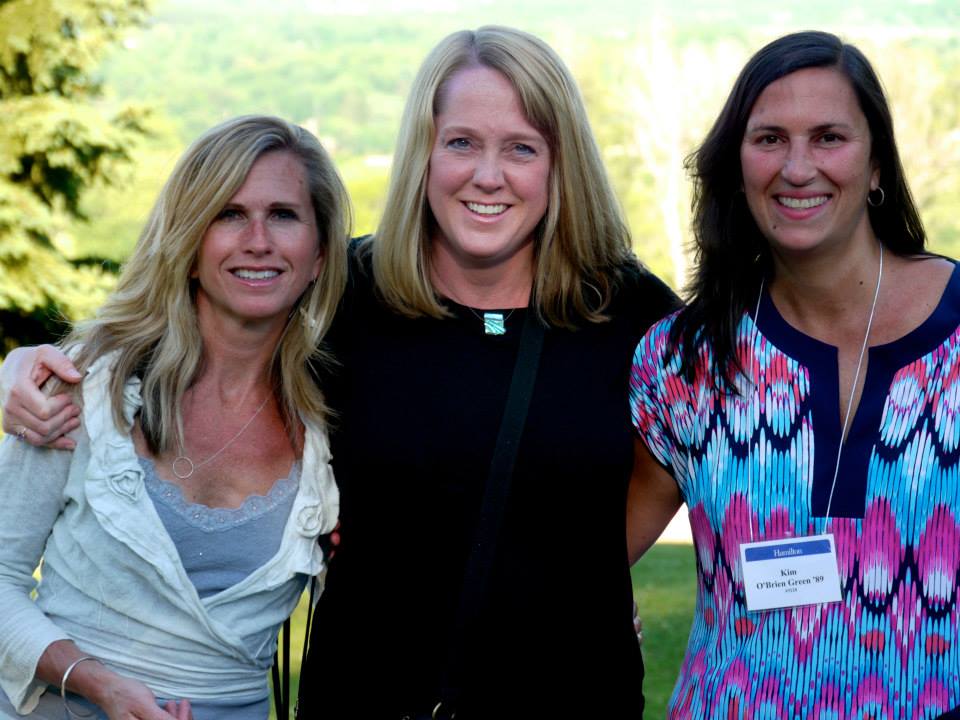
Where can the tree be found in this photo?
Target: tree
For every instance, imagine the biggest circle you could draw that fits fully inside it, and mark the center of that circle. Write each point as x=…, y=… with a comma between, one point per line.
x=55, y=144
x=653, y=96
x=923, y=84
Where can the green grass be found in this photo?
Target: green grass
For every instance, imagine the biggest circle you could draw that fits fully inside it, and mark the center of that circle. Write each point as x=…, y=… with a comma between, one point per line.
x=665, y=587
x=664, y=584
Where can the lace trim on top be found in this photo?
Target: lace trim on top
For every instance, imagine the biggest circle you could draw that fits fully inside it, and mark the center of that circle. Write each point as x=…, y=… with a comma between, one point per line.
x=209, y=518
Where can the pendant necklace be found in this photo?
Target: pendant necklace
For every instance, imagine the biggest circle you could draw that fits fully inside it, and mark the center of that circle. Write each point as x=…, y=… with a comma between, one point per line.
x=183, y=467
x=494, y=322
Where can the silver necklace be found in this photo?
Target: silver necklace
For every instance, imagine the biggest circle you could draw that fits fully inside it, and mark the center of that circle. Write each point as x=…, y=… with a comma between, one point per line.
x=183, y=467
x=494, y=322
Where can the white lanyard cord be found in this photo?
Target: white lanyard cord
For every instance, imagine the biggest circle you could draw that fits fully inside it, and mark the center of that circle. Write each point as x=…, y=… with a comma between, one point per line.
x=853, y=389
x=756, y=350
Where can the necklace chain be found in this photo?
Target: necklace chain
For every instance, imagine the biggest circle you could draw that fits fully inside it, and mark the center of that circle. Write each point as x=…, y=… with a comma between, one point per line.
x=183, y=459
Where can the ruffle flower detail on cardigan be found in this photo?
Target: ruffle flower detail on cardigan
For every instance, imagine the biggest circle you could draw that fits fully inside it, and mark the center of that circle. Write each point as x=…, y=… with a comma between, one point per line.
x=127, y=482
x=310, y=520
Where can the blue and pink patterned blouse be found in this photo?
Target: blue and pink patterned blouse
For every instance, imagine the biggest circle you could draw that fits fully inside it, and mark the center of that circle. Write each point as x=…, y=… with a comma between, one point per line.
x=760, y=466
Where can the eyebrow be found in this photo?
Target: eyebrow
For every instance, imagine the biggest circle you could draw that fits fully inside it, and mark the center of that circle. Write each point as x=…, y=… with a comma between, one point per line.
x=466, y=130
x=822, y=127
x=273, y=205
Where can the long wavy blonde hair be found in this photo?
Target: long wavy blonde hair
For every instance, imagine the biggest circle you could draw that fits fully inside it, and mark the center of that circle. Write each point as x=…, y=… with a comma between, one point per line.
x=150, y=320
x=581, y=242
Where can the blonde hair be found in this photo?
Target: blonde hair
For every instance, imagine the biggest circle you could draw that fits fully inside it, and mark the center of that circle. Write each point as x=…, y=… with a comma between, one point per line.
x=150, y=320
x=582, y=241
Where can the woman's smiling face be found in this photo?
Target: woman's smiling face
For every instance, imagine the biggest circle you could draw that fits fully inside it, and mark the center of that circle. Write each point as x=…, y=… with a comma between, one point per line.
x=262, y=250
x=489, y=171
x=806, y=162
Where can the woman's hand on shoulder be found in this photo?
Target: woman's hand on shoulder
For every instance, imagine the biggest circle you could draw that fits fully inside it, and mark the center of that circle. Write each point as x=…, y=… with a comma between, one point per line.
x=27, y=412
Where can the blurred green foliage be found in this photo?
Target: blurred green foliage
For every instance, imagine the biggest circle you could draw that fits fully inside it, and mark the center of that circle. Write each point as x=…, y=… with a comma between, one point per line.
x=55, y=143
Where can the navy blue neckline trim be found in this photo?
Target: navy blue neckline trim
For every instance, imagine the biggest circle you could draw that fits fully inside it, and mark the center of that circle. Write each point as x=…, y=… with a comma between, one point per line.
x=884, y=361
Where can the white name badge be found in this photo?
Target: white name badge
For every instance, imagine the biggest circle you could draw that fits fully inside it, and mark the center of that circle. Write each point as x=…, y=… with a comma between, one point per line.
x=790, y=572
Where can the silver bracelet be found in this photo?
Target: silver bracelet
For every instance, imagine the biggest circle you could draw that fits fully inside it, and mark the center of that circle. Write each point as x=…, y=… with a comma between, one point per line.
x=63, y=687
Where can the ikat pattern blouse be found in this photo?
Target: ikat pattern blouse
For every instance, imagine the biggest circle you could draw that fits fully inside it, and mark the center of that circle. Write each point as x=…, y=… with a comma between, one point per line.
x=759, y=466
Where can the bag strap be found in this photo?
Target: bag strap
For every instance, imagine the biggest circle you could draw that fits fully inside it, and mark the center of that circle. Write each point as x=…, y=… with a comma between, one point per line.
x=281, y=674
x=281, y=685
x=480, y=561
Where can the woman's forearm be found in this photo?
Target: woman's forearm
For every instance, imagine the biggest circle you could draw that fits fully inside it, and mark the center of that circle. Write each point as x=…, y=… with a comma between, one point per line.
x=118, y=696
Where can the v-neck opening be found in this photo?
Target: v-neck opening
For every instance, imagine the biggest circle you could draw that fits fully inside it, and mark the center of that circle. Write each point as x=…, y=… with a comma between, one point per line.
x=884, y=361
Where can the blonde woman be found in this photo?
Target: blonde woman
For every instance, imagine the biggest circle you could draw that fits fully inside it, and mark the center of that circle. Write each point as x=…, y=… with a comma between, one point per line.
x=499, y=211
x=179, y=534
x=499, y=215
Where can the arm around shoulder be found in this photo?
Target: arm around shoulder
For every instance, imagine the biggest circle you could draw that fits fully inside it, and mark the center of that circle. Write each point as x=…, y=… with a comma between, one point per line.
x=28, y=412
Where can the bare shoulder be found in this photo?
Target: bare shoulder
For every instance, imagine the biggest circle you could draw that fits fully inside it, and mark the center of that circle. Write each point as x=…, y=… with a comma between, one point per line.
x=915, y=286
x=924, y=278
x=930, y=267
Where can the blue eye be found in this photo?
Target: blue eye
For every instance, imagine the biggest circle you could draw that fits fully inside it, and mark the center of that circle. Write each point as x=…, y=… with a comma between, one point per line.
x=285, y=214
x=523, y=149
x=228, y=214
x=458, y=143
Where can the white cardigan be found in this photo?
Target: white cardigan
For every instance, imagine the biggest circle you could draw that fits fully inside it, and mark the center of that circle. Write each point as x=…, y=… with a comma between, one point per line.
x=112, y=578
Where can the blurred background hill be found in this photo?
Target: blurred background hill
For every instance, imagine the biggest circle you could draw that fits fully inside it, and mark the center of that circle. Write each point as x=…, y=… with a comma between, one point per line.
x=85, y=147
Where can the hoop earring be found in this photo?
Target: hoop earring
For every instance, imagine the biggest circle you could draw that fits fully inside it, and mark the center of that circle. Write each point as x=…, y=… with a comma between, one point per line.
x=877, y=203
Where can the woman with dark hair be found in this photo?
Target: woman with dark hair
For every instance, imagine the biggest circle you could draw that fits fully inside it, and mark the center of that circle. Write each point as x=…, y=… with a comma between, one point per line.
x=803, y=405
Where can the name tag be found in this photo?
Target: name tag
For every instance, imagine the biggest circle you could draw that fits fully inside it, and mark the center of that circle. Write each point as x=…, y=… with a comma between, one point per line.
x=790, y=572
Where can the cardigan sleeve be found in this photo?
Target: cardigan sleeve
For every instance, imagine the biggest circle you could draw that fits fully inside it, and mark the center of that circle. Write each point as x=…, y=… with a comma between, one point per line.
x=31, y=499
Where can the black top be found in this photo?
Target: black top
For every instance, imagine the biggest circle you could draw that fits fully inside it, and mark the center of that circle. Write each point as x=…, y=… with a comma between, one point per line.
x=418, y=406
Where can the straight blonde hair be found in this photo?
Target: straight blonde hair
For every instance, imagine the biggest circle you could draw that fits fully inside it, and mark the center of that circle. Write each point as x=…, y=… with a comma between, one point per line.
x=582, y=241
x=150, y=320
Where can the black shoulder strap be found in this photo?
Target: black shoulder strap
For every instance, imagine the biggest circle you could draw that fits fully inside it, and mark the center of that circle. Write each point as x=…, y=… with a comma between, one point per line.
x=281, y=686
x=281, y=676
x=473, y=594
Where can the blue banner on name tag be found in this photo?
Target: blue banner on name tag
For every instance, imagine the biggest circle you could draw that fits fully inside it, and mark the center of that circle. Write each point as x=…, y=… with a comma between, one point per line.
x=787, y=550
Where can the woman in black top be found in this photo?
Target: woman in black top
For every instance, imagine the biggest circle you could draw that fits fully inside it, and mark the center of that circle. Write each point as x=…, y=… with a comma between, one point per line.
x=498, y=208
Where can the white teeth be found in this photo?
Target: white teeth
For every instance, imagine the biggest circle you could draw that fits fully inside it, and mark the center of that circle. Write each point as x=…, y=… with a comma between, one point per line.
x=486, y=209
x=255, y=274
x=802, y=203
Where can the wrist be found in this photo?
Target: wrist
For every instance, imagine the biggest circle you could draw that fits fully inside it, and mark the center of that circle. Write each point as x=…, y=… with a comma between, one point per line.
x=89, y=678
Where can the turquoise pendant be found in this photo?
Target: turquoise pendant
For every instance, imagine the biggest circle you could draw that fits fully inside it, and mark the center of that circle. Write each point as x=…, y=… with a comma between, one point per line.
x=493, y=323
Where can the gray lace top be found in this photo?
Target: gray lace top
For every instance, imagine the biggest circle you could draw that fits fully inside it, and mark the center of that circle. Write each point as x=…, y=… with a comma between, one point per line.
x=219, y=547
